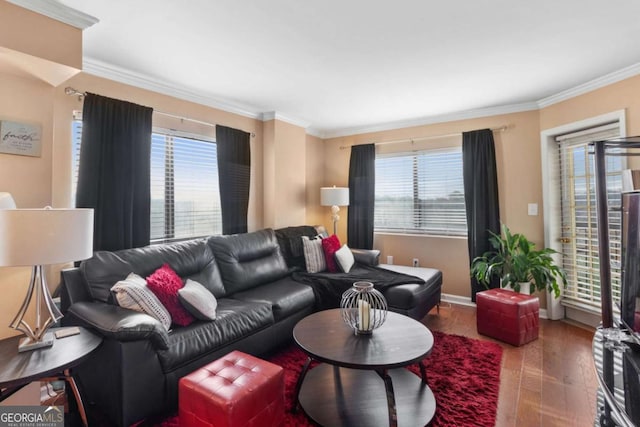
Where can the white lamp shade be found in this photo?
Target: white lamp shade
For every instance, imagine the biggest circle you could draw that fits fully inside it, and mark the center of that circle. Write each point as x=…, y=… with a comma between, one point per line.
x=31, y=237
x=334, y=196
x=6, y=201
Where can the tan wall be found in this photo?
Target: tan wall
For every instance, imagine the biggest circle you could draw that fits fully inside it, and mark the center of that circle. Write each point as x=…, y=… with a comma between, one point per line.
x=315, y=213
x=284, y=174
x=33, y=34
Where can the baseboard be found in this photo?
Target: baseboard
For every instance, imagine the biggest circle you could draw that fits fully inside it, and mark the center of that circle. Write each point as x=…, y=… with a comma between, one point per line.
x=466, y=301
x=457, y=299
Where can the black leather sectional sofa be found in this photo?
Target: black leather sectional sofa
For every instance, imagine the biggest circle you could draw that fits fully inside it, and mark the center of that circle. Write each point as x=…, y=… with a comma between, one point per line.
x=135, y=372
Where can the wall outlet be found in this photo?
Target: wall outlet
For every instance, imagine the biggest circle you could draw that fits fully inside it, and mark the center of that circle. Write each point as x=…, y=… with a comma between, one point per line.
x=416, y=263
x=390, y=259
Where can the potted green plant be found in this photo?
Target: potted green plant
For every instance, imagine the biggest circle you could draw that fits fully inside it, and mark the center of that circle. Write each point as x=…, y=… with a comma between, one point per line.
x=517, y=263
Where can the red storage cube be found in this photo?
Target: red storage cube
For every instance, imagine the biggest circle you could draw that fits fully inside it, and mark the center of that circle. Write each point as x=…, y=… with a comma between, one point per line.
x=508, y=316
x=235, y=390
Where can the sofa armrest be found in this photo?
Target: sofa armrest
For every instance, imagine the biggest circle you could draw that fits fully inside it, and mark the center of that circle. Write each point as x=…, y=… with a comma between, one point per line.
x=119, y=323
x=369, y=257
x=72, y=288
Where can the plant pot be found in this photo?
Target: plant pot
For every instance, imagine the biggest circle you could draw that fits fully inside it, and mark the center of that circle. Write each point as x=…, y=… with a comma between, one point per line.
x=525, y=288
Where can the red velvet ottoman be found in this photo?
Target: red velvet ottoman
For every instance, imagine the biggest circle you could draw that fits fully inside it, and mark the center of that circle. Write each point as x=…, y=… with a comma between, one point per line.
x=508, y=316
x=235, y=390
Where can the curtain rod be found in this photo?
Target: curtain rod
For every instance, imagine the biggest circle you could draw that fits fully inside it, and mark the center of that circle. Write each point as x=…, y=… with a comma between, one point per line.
x=71, y=91
x=424, y=138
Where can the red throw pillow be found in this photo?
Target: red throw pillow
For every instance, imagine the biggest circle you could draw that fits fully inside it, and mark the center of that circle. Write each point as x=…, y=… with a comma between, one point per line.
x=330, y=245
x=165, y=284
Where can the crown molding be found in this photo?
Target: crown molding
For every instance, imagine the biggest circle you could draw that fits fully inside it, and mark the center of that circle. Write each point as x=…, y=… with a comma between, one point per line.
x=314, y=132
x=111, y=72
x=429, y=120
x=58, y=11
x=274, y=115
x=597, y=83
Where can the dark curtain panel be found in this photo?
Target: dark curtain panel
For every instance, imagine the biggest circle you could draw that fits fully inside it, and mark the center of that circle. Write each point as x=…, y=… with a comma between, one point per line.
x=113, y=176
x=362, y=189
x=480, y=194
x=234, y=171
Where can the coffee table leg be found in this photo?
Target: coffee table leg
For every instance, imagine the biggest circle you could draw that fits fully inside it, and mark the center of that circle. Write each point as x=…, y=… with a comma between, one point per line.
x=391, y=397
x=423, y=371
x=303, y=373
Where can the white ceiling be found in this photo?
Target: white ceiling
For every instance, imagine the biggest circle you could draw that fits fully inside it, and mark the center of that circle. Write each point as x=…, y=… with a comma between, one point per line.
x=345, y=66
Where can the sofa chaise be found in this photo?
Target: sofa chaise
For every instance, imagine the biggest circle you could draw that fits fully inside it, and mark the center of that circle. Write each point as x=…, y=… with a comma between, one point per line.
x=135, y=372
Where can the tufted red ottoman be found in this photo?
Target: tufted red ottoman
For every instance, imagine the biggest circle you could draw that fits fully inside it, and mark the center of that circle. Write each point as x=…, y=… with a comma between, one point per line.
x=235, y=390
x=508, y=316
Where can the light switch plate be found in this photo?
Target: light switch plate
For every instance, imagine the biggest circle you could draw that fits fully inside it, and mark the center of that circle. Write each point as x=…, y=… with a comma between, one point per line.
x=532, y=209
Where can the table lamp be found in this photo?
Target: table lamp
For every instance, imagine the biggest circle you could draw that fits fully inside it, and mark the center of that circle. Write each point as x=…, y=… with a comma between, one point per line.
x=37, y=237
x=334, y=197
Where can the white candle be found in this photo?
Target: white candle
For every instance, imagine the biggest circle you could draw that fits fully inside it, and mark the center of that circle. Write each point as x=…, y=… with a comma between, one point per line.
x=364, y=314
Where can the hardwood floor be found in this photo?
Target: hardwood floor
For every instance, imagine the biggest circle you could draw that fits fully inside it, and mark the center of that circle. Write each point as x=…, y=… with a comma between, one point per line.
x=547, y=382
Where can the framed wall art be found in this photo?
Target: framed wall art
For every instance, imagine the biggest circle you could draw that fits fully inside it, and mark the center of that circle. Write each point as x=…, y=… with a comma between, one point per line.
x=24, y=139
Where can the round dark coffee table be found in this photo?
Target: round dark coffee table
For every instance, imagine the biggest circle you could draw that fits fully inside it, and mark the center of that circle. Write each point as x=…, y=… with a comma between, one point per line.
x=371, y=391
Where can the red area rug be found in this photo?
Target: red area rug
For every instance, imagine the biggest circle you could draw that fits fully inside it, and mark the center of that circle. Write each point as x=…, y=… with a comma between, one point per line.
x=463, y=373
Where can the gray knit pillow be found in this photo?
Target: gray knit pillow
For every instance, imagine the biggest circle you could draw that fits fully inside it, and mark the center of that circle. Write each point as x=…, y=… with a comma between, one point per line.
x=133, y=293
x=313, y=254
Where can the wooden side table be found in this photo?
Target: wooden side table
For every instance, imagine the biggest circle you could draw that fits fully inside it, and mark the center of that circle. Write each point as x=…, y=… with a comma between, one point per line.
x=45, y=364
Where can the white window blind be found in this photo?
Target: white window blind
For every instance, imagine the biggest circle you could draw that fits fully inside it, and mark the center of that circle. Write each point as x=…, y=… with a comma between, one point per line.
x=579, y=222
x=420, y=192
x=76, y=136
x=185, y=198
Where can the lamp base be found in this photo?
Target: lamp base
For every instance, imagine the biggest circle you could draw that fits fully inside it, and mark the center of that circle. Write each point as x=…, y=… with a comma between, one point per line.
x=27, y=344
x=36, y=336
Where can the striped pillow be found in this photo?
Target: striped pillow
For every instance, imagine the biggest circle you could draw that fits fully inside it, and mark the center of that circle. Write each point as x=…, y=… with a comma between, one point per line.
x=313, y=254
x=132, y=293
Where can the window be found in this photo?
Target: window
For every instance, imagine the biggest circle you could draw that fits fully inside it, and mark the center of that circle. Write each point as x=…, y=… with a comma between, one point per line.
x=579, y=228
x=420, y=192
x=185, y=199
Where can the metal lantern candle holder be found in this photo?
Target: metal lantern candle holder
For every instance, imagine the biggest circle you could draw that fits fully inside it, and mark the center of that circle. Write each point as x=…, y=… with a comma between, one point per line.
x=363, y=308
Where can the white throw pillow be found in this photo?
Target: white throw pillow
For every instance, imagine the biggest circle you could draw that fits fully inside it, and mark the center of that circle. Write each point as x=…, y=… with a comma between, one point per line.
x=133, y=293
x=198, y=300
x=344, y=258
x=313, y=254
